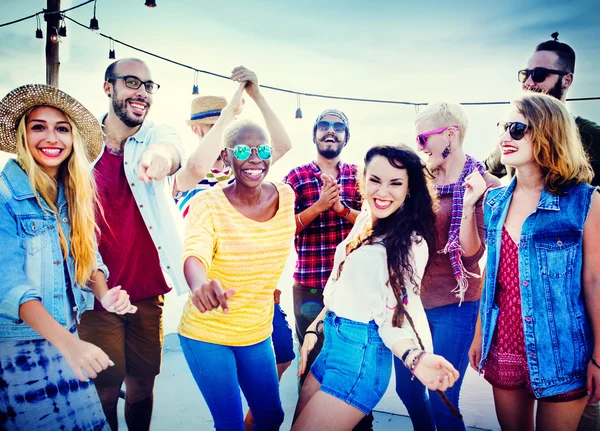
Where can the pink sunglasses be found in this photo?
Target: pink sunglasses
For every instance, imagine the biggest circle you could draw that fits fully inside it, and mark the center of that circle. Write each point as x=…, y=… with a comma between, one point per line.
x=421, y=139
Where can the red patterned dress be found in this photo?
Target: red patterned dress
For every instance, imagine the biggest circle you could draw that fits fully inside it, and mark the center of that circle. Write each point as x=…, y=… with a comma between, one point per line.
x=506, y=364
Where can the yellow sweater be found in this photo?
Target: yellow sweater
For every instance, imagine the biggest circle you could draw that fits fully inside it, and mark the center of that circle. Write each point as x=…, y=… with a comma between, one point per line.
x=242, y=254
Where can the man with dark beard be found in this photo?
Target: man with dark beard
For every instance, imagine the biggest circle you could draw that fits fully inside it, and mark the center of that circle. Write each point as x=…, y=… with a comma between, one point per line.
x=137, y=240
x=328, y=200
x=550, y=70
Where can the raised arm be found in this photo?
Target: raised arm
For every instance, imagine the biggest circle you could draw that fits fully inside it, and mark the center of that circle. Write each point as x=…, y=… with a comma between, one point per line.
x=279, y=138
x=204, y=156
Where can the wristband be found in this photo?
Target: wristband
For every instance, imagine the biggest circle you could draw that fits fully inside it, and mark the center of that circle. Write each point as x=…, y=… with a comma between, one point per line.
x=347, y=212
x=406, y=353
x=319, y=324
x=594, y=362
x=300, y=220
x=311, y=332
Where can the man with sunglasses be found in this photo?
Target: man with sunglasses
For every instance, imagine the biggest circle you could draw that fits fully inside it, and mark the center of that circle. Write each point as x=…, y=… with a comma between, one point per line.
x=328, y=201
x=137, y=240
x=550, y=70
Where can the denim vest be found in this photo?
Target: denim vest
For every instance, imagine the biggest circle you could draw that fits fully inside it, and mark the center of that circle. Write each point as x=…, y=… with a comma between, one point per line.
x=558, y=337
x=154, y=204
x=31, y=258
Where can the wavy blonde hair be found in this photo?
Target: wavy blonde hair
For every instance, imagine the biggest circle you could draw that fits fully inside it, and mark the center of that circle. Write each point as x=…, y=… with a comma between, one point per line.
x=557, y=146
x=80, y=192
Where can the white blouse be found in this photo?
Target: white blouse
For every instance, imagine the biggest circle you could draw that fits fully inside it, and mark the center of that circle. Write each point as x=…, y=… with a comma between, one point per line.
x=362, y=292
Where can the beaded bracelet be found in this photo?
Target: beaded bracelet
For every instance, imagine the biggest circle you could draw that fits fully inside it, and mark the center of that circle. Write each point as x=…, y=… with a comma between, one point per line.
x=406, y=353
x=415, y=361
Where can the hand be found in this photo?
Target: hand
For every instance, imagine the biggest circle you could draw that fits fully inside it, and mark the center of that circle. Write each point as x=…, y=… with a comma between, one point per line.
x=475, y=352
x=310, y=340
x=475, y=187
x=117, y=301
x=249, y=78
x=153, y=165
x=329, y=194
x=85, y=357
x=593, y=383
x=235, y=105
x=210, y=296
x=435, y=372
x=277, y=296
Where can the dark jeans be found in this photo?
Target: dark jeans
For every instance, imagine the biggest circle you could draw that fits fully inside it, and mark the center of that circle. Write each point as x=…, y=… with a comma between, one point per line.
x=590, y=421
x=452, y=329
x=308, y=303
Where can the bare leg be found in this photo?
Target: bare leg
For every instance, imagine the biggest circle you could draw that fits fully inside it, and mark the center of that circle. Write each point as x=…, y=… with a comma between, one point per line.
x=514, y=409
x=559, y=416
x=139, y=401
x=249, y=420
x=326, y=412
x=308, y=390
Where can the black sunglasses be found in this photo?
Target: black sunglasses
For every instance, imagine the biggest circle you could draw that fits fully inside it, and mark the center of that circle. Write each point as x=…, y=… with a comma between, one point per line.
x=539, y=74
x=516, y=129
x=134, y=83
x=338, y=126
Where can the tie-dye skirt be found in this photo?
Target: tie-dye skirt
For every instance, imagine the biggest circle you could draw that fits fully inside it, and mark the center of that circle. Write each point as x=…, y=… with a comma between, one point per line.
x=39, y=391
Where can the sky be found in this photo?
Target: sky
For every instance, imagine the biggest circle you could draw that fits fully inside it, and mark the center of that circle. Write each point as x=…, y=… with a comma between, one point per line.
x=413, y=51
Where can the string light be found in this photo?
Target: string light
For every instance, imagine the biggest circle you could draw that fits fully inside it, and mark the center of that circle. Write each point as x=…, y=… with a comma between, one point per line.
x=150, y=3
x=38, y=33
x=298, y=110
x=62, y=31
x=195, y=90
x=94, y=22
x=111, y=49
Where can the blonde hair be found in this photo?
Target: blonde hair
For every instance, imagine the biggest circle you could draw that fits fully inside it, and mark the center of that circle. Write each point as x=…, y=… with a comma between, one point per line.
x=80, y=192
x=557, y=146
x=443, y=114
x=230, y=135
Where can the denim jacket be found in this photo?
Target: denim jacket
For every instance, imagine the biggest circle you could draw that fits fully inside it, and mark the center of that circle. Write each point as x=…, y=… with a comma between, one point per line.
x=558, y=336
x=153, y=203
x=31, y=257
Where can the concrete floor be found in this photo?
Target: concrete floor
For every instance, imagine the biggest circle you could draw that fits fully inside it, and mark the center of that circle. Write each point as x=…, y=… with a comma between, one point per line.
x=178, y=404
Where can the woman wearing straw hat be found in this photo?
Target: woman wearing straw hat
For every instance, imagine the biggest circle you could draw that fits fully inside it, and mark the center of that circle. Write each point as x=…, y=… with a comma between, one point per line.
x=49, y=255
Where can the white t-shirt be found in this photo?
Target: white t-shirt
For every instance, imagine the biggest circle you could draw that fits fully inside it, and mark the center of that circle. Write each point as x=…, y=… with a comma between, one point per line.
x=362, y=292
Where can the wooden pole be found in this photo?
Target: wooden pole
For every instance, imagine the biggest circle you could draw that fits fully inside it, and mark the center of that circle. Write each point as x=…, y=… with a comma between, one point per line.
x=52, y=62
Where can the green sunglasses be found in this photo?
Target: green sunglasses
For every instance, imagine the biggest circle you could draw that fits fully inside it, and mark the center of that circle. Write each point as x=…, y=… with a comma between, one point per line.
x=242, y=151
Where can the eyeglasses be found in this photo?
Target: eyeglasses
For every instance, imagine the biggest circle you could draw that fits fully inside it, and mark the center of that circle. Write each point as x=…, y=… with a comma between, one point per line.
x=538, y=74
x=338, y=126
x=516, y=129
x=242, y=151
x=422, y=138
x=134, y=83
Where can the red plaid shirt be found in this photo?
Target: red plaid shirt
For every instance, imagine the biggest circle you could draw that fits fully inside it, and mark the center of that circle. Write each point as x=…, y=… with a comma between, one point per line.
x=316, y=244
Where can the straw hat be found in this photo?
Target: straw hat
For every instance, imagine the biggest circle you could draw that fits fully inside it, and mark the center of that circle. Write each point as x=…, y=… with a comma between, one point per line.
x=206, y=110
x=17, y=102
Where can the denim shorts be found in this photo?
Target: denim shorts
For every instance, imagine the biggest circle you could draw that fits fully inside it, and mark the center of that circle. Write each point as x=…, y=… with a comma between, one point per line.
x=283, y=341
x=354, y=364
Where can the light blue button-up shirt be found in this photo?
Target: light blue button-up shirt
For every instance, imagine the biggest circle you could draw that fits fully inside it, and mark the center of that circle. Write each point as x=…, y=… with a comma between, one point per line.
x=152, y=199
